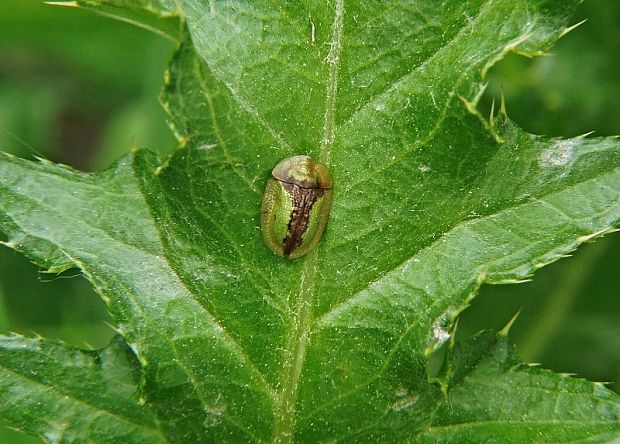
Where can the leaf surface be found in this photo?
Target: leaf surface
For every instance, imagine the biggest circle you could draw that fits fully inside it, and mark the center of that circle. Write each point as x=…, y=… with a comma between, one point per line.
x=430, y=200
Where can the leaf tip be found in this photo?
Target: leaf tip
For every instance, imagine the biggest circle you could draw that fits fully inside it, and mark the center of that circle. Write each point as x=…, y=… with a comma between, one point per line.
x=43, y=160
x=599, y=233
x=570, y=28
x=585, y=135
x=504, y=331
x=73, y=4
x=502, y=105
x=136, y=351
x=469, y=105
x=9, y=244
x=161, y=167
x=117, y=329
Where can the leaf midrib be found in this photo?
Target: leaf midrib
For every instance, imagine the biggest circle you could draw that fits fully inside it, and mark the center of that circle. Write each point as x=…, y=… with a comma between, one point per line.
x=303, y=320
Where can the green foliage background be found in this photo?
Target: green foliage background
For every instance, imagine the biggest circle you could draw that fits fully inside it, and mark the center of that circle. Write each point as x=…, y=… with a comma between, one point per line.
x=69, y=87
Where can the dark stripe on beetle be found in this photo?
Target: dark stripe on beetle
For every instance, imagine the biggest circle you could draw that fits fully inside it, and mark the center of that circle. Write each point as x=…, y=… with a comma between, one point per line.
x=303, y=200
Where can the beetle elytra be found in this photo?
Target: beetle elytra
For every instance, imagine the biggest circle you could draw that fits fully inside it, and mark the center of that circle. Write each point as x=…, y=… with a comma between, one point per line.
x=296, y=206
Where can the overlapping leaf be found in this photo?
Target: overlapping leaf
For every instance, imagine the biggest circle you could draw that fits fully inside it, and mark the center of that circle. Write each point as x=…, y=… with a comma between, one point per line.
x=68, y=395
x=528, y=403
x=430, y=200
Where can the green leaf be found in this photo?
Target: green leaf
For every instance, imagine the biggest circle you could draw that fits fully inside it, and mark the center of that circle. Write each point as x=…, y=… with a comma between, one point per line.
x=157, y=16
x=496, y=395
x=67, y=395
x=430, y=200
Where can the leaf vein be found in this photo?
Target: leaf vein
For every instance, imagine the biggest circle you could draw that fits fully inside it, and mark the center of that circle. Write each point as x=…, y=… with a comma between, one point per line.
x=467, y=223
x=69, y=395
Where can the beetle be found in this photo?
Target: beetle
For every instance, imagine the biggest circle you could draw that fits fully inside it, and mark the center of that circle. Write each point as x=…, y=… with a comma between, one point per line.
x=296, y=206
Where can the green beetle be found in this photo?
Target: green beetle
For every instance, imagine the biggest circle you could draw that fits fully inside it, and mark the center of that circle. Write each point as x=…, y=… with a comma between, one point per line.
x=296, y=206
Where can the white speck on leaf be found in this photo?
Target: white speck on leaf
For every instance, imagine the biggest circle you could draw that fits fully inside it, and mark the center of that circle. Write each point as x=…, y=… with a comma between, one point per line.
x=401, y=391
x=559, y=154
x=56, y=431
x=214, y=415
x=440, y=334
x=404, y=403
